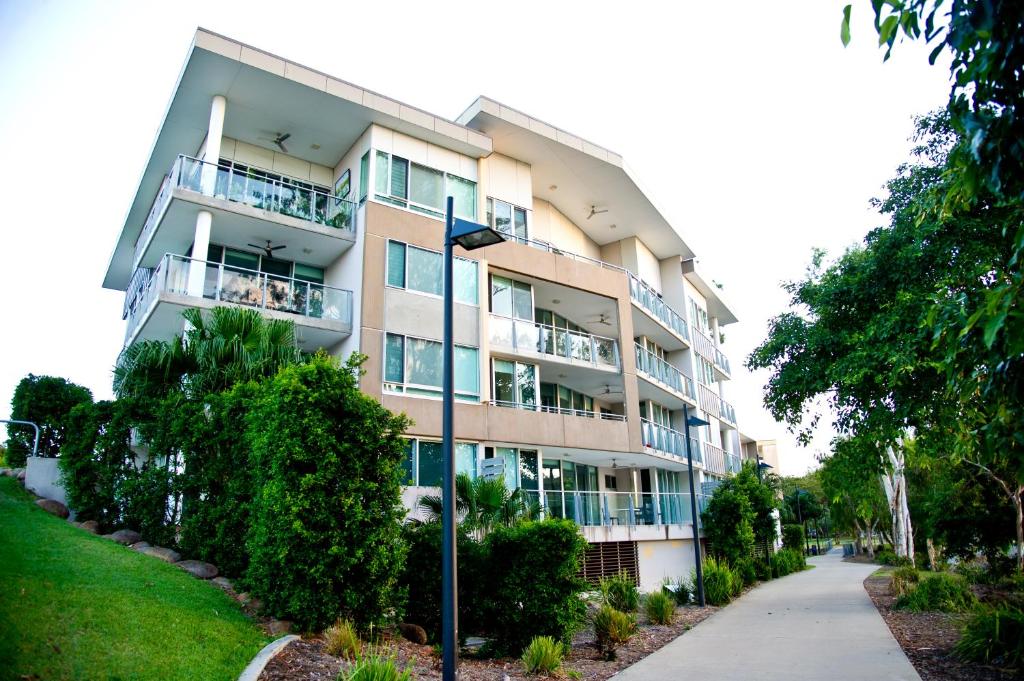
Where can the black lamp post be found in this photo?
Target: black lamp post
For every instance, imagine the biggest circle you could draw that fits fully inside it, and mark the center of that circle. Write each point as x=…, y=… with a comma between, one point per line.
x=694, y=421
x=469, y=235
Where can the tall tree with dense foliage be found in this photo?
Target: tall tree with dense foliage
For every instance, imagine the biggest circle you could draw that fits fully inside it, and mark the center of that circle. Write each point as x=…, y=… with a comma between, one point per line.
x=854, y=492
x=326, y=525
x=46, y=401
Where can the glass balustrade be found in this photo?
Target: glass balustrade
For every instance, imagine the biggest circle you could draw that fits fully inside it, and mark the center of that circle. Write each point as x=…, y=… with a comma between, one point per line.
x=591, y=509
x=649, y=300
x=663, y=372
x=531, y=337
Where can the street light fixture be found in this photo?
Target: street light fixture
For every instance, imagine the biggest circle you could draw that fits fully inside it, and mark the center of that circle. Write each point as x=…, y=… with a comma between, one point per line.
x=470, y=236
x=694, y=421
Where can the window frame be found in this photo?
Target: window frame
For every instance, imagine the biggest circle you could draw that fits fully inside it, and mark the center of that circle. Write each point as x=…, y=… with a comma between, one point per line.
x=405, y=275
x=423, y=391
x=406, y=202
x=414, y=458
x=491, y=215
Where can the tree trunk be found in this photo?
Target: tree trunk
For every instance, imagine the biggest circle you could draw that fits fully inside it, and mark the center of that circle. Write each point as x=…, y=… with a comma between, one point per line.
x=894, y=482
x=857, y=543
x=871, y=540
x=933, y=555
x=1018, y=505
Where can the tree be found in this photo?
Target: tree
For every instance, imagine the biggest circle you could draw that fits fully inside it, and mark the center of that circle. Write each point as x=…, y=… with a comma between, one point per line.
x=46, y=401
x=854, y=493
x=482, y=504
x=728, y=523
x=762, y=493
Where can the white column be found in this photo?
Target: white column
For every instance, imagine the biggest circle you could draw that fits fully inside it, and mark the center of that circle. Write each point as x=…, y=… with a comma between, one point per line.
x=200, y=246
x=214, y=135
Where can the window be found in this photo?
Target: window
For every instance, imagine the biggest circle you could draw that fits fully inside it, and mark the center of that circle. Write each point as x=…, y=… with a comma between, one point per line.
x=422, y=189
x=507, y=219
x=511, y=298
x=699, y=317
x=515, y=384
x=705, y=371
x=554, y=397
x=422, y=270
x=424, y=461
x=413, y=366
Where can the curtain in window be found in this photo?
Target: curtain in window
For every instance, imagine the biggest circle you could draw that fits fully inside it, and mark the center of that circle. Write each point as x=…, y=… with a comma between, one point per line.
x=511, y=458
x=423, y=362
x=522, y=300
x=399, y=177
x=383, y=174
x=427, y=187
x=396, y=264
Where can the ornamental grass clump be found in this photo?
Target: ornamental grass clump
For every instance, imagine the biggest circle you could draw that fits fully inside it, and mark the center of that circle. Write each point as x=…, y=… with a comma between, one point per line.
x=660, y=607
x=375, y=667
x=543, y=656
x=719, y=581
x=677, y=588
x=342, y=640
x=620, y=592
x=612, y=629
x=904, y=580
x=940, y=593
x=994, y=637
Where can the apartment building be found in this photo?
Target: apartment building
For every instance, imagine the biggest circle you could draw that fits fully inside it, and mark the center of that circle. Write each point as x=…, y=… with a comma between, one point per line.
x=580, y=341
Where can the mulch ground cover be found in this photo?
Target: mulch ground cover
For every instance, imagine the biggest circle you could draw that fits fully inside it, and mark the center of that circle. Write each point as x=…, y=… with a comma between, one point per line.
x=306, y=659
x=928, y=639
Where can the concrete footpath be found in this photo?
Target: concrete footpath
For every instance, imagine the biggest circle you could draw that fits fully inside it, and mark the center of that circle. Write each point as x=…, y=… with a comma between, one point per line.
x=818, y=624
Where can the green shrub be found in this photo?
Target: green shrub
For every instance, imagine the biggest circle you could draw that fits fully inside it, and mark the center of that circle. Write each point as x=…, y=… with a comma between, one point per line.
x=736, y=586
x=95, y=459
x=375, y=667
x=719, y=581
x=943, y=592
x=746, y=571
x=728, y=523
x=620, y=592
x=793, y=537
x=677, y=588
x=973, y=572
x=890, y=558
x=342, y=640
x=660, y=607
x=326, y=533
x=612, y=629
x=904, y=579
x=787, y=561
x=421, y=579
x=46, y=401
x=994, y=637
x=543, y=656
x=533, y=583
x=763, y=569
x=145, y=499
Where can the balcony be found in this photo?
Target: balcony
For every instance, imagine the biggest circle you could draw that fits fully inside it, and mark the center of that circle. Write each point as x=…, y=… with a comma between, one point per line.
x=667, y=441
x=540, y=341
x=581, y=413
x=715, y=459
x=322, y=314
x=610, y=509
x=246, y=206
x=661, y=322
x=665, y=384
x=713, y=404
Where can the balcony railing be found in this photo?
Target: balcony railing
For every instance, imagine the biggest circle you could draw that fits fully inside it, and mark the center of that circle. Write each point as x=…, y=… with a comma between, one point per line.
x=722, y=362
x=592, y=509
x=664, y=439
x=271, y=192
x=661, y=371
x=733, y=463
x=714, y=458
x=526, y=336
x=712, y=403
x=649, y=300
x=564, y=411
x=214, y=281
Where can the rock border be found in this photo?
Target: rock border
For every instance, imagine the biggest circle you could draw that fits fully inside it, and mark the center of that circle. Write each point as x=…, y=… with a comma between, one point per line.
x=255, y=667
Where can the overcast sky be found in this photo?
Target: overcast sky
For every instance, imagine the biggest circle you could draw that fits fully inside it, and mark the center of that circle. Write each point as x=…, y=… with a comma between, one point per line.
x=748, y=122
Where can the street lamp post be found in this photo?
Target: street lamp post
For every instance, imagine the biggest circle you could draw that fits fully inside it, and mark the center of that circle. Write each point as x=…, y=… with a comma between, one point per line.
x=694, y=421
x=470, y=236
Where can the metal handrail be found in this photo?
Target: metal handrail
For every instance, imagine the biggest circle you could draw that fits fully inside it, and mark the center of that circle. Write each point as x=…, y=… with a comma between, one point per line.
x=557, y=410
x=668, y=440
x=664, y=373
x=650, y=300
x=604, y=508
x=546, y=342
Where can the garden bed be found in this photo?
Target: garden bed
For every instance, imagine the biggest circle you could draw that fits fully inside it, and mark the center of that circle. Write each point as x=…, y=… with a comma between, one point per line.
x=306, y=659
x=928, y=638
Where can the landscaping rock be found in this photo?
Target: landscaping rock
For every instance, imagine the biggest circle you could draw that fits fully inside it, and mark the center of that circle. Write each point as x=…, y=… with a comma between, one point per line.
x=164, y=554
x=224, y=583
x=5, y=471
x=91, y=526
x=126, y=537
x=53, y=507
x=19, y=473
x=414, y=633
x=198, y=568
x=279, y=627
x=140, y=545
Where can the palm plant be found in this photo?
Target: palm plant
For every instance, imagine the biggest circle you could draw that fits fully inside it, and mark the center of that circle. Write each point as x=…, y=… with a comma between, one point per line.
x=483, y=504
x=226, y=346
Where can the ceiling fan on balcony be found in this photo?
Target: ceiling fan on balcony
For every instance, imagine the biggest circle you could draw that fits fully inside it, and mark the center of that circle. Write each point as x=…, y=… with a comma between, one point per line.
x=594, y=211
x=608, y=391
x=268, y=250
x=278, y=139
x=602, y=318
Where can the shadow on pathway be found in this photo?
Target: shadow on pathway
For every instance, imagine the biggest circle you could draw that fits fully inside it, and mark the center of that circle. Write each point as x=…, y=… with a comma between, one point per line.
x=817, y=624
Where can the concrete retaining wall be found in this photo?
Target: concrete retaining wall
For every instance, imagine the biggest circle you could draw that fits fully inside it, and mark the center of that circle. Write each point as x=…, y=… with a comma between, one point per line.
x=43, y=477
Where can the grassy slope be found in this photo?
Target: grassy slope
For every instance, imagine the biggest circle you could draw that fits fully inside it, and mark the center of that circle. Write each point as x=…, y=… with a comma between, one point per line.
x=75, y=606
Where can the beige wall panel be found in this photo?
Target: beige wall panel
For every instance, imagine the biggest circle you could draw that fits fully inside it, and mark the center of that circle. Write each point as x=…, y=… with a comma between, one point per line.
x=371, y=341
x=600, y=434
x=373, y=282
x=525, y=427
x=418, y=315
x=470, y=419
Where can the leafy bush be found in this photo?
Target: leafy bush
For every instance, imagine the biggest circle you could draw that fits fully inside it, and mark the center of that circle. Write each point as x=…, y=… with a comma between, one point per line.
x=719, y=581
x=793, y=537
x=145, y=498
x=326, y=533
x=994, y=637
x=746, y=571
x=46, y=401
x=943, y=592
x=620, y=592
x=375, y=667
x=421, y=578
x=342, y=640
x=612, y=629
x=973, y=572
x=94, y=461
x=543, y=655
x=533, y=584
x=660, y=607
x=787, y=561
x=904, y=579
x=890, y=558
x=678, y=589
x=728, y=523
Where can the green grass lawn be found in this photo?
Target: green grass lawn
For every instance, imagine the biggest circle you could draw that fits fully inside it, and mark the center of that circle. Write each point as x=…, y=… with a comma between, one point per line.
x=75, y=606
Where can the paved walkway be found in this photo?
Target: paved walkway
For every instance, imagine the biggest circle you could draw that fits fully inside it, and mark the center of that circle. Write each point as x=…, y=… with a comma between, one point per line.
x=817, y=624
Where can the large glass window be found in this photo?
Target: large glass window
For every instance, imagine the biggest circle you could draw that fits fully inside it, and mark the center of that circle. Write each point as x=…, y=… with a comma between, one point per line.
x=507, y=219
x=422, y=189
x=465, y=458
x=413, y=366
x=431, y=464
x=419, y=269
x=515, y=384
x=424, y=461
x=426, y=187
x=511, y=298
x=464, y=194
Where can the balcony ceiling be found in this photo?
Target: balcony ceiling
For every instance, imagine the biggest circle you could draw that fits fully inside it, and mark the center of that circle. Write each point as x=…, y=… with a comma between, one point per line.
x=267, y=95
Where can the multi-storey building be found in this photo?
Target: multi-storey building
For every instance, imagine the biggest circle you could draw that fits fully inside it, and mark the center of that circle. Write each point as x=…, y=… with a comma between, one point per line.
x=580, y=341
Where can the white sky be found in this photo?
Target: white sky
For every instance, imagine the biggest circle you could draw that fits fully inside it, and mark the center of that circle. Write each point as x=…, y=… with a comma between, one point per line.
x=747, y=121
